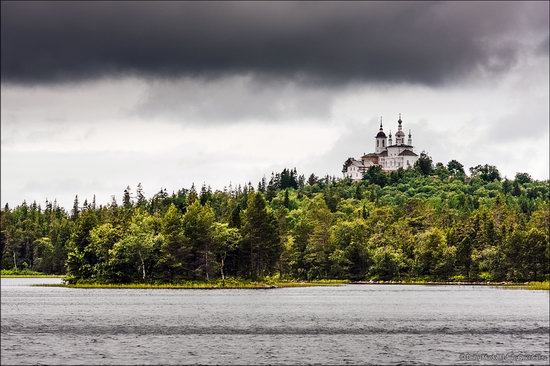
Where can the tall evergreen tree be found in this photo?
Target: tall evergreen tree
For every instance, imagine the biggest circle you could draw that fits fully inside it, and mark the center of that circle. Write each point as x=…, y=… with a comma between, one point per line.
x=126, y=198
x=261, y=246
x=175, y=248
x=76, y=209
x=197, y=226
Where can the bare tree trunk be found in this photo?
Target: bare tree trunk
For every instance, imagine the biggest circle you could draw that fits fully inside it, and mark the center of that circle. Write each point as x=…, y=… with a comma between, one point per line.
x=251, y=261
x=259, y=271
x=206, y=264
x=221, y=270
x=14, y=261
x=142, y=264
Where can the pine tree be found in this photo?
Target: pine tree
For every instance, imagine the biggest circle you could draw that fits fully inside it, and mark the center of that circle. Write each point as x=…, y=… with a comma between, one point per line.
x=312, y=179
x=76, y=210
x=113, y=204
x=261, y=245
x=197, y=226
x=235, y=219
x=126, y=199
x=175, y=247
x=206, y=194
x=286, y=201
x=192, y=195
x=140, y=196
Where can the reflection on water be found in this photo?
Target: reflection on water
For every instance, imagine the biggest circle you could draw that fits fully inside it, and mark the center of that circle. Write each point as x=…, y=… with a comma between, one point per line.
x=31, y=281
x=354, y=324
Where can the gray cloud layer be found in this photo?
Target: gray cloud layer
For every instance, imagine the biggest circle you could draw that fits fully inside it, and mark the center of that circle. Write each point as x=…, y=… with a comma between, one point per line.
x=420, y=42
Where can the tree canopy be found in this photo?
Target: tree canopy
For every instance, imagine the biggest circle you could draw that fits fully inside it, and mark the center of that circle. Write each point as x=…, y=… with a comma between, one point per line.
x=429, y=222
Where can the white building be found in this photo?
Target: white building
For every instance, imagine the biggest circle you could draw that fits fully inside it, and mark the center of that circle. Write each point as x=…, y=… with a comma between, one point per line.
x=387, y=155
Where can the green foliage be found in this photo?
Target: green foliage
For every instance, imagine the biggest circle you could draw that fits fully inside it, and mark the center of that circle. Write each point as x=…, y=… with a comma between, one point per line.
x=174, y=250
x=375, y=175
x=226, y=241
x=133, y=257
x=432, y=254
x=260, y=246
x=485, y=172
x=456, y=169
x=424, y=164
x=430, y=222
x=197, y=227
x=387, y=263
x=523, y=178
x=24, y=273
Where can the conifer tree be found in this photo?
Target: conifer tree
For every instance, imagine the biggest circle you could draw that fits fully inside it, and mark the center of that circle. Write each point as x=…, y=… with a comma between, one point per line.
x=175, y=248
x=76, y=209
x=140, y=196
x=261, y=245
x=126, y=198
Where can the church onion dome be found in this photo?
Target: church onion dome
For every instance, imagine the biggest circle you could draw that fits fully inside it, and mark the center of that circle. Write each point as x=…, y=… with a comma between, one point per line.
x=381, y=134
x=407, y=153
x=399, y=134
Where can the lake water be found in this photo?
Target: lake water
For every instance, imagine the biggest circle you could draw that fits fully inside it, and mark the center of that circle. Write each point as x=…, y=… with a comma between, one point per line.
x=353, y=324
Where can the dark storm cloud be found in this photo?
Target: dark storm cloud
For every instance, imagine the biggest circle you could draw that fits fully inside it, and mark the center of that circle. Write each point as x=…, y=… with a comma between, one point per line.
x=544, y=47
x=423, y=42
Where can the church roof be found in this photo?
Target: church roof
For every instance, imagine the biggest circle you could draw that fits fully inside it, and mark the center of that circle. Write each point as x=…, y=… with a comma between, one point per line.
x=407, y=153
x=383, y=153
x=381, y=134
x=401, y=145
x=352, y=161
x=370, y=155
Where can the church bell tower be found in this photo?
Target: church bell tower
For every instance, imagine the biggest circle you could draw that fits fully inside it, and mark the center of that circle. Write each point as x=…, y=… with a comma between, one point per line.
x=381, y=140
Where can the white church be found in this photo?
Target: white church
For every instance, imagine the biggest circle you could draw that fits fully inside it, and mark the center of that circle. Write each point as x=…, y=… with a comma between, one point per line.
x=387, y=155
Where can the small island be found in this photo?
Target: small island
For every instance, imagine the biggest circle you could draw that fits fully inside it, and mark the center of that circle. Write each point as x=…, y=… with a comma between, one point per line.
x=431, y=223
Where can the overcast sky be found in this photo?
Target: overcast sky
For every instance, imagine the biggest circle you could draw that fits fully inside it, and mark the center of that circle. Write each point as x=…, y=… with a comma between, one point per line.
x=98, y=96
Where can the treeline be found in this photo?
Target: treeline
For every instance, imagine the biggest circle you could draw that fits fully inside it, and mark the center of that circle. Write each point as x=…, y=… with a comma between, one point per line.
x=430, y=222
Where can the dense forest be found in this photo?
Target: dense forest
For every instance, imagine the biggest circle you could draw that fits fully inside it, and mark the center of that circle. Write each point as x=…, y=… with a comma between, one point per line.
x=432, y=222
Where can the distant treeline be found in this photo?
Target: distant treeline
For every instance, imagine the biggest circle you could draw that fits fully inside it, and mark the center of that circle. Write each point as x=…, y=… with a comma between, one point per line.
x=430, y=222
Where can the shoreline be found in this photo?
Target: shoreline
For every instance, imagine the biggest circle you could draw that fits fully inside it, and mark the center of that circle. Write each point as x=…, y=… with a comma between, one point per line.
x=190, y=285
x=532, y=285
x=32, y=276
x=200, y=285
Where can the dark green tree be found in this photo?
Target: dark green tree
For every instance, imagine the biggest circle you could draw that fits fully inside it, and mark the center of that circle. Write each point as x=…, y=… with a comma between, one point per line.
x=488, y=173
x=197, y=226
x=456, y=169
x=261, y=246
x=375, y=175
x=76, y=209
x=175, y=248
x=424, y=164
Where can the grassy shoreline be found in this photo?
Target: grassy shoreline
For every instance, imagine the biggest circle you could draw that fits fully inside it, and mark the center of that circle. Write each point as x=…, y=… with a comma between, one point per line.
x=241, y=284
x=32, y=276
x=25, y=273
x=534, y=285
x=530, y=286
x=232, y=284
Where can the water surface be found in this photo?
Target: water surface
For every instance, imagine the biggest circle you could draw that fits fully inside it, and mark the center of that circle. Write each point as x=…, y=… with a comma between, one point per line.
x=353, y=324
